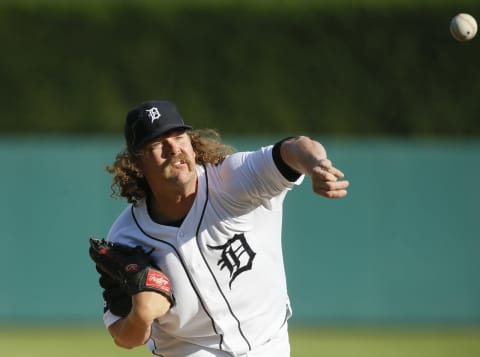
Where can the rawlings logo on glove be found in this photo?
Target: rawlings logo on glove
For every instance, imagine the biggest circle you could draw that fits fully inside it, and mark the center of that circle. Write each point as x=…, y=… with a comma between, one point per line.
x=157, y=280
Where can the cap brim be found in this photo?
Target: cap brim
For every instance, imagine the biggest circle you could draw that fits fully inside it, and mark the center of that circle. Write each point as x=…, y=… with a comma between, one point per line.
x=165, y=129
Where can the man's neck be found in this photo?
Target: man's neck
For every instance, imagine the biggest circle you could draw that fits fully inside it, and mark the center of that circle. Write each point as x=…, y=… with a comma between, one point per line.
x=170, y=209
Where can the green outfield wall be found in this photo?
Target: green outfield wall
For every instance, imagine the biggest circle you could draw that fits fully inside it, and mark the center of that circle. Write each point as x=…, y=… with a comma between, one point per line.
x=404, y=247
x=366, y=67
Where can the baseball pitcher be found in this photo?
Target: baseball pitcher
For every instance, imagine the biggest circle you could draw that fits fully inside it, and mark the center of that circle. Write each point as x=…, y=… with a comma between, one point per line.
x=194, y=266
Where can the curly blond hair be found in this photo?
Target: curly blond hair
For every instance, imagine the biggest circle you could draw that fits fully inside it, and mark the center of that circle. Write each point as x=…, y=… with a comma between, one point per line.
x=128, y=180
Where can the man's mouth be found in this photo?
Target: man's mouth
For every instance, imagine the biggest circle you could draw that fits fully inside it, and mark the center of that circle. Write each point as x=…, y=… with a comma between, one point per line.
x=178, y=162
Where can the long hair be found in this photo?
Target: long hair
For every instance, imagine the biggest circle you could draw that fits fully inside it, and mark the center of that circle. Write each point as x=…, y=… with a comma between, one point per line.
x=128, y=180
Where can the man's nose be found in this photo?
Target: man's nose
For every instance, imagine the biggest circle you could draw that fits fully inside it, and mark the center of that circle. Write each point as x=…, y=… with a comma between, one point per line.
x=173, y=148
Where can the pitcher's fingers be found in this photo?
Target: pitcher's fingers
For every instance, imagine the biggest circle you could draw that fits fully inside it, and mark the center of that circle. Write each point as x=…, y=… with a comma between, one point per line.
x=336, y=172
x=326, y=174
x=326, y=165
x=326, y=186
x=332, y=194
x=332, y=184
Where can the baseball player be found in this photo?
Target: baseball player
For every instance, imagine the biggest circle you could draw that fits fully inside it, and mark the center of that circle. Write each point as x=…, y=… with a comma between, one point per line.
x=210, y=220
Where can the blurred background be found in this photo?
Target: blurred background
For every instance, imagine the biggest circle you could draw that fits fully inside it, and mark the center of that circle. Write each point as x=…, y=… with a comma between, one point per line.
x=392, y=270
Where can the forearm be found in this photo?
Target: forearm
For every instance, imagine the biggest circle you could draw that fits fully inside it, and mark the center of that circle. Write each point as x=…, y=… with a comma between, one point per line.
x=134, y=330
x=309, y=157
x=302, y=154
x=130, y=331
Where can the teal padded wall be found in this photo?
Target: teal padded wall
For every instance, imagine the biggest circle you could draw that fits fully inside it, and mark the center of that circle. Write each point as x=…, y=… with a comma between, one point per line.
x=404, y=247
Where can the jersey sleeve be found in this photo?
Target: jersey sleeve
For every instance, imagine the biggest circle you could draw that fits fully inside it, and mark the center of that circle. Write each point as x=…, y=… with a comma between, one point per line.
x=109, y=318
x=254, y=176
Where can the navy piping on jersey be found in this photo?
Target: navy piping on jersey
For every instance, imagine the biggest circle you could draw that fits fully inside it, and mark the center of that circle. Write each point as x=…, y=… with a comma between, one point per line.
x=204, y=259
x=188, y=275
x=210, y=270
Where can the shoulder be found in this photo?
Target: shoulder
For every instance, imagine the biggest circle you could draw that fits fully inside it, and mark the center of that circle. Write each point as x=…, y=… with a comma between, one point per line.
x=124, y=225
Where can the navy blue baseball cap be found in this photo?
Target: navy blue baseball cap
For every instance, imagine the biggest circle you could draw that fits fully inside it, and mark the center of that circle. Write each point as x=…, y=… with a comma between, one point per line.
x=149, y=120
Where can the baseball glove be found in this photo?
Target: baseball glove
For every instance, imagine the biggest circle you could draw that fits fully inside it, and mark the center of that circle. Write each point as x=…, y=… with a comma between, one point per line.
x=114, y=296
x=130, y=267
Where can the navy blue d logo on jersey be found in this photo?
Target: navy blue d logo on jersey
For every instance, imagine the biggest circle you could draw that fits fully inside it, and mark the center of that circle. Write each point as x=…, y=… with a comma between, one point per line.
x=237, y=256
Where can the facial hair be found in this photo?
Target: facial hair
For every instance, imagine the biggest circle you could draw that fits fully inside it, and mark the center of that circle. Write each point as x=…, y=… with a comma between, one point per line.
x=170, y=171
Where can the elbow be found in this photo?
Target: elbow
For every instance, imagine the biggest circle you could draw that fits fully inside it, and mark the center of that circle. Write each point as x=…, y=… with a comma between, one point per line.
x=128, y=345
x=127, y=338
x=122, y=345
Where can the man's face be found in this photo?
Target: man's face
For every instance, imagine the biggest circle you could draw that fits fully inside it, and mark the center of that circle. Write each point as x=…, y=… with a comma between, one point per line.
x=169, y=159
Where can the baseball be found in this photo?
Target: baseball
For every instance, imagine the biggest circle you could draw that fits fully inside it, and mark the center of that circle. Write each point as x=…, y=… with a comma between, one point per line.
x=463, y=27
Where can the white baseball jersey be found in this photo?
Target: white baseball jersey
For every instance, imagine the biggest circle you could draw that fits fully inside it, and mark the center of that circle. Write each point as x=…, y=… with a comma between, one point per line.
x=225, y=262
